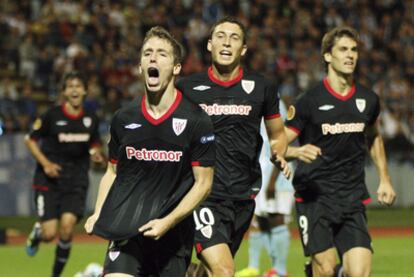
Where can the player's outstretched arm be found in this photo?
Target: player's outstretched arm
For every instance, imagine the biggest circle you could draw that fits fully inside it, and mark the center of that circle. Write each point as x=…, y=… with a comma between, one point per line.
x=386, y=194
x=50, y=168
x=202, y=186
x=104, y=187
x=278, y=144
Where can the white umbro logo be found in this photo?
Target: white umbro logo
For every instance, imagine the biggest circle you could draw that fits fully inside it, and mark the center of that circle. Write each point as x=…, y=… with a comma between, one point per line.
x=201, y=88
x=61, y=123
x=132, y=126
x=326, y=107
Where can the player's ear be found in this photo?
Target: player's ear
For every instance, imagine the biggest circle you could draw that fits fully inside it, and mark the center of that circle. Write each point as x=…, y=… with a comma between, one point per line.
x=327, y=57
x=244, y=50
x=176, y=69
x=139, y=69
x=209, y=45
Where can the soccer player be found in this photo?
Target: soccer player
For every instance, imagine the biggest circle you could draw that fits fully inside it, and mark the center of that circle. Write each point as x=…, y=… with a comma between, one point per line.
x=161, y=167
x=274, y=205
x=62, y=141
x=236, y=101
x=336, y=122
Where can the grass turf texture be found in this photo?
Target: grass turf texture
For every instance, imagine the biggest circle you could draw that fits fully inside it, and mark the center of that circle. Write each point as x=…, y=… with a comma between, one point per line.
x=393, y=255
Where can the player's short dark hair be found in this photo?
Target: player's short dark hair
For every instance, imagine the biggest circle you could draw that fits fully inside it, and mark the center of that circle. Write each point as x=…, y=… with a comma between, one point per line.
x=70, y=76
x=162, y=33
x=331, y=37
x=233, y=20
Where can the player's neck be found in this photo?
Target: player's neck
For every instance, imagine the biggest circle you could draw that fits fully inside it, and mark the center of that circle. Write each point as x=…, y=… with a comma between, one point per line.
x=158, y=103
x=72, y=110
x=341, y=84
x=225, y=73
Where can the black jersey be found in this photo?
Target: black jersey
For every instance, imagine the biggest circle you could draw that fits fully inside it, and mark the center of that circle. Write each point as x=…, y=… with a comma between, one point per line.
x=64, y=137
x=236, y=109
x=337, y=125
x=154, y=163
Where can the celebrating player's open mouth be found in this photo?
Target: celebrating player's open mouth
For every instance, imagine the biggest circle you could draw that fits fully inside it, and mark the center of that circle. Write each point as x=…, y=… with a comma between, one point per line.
x=153, y=77
x=74, y=92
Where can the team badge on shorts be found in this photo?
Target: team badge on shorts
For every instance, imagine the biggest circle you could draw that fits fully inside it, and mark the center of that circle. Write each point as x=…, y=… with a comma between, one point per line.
x=360, y=103
x=207, y=231
x=179, y=125
x=113, y=255
x=247, y=85
x=87, y=121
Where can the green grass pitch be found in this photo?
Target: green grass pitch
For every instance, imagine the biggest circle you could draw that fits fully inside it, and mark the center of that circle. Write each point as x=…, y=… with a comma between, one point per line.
x=393, y=257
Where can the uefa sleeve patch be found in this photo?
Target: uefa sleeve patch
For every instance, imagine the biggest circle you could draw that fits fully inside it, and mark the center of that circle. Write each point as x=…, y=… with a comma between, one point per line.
x=291, y=112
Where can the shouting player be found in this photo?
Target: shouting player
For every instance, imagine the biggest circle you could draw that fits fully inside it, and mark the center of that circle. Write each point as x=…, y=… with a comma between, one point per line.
x=161, y=167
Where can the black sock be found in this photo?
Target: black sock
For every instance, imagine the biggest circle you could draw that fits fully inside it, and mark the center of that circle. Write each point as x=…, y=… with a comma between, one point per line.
x=339, y=270
x=61, y=256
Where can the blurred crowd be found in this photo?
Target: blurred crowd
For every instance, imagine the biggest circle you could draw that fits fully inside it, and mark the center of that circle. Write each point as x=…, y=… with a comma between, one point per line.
x=42, y=39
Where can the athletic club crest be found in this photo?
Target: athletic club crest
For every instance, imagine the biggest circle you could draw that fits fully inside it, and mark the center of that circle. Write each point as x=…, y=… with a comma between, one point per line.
x=207, y=231
x=247, y=85
x=360, y=103
x=179, y=125
x=113, y=255
x=87, y=121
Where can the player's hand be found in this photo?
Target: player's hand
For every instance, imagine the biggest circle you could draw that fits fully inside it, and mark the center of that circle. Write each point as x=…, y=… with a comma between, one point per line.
x=97, y=157
x=155, y=228
x=386, y=194
x=52, y=170
x=308, y=153
x=90, y=223
x=281, y=164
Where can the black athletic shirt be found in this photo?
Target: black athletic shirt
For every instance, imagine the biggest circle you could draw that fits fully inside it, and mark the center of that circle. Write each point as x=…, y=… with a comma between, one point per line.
x=337, y=125
x=64, y=137
x=236, y=108
x=154, y=160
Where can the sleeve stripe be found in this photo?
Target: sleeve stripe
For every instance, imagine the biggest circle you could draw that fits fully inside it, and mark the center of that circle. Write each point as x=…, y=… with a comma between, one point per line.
x=113, y=161
x=195, y=163
x=297, y=131
x=272, y=116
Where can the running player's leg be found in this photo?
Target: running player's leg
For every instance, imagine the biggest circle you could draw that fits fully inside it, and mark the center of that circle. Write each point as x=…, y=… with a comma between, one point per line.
x=357, y=262
x=279, y=217
x=64, y=245
x=354, y=245
x=323, y=263
x=46, y=229
x=220, y=227
x=317, y=237
x=72, y=205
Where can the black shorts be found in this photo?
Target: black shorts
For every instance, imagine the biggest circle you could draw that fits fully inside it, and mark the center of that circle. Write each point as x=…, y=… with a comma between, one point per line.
x=322, y=227
x=55, y=196
x=222, y=221
x=169, y=256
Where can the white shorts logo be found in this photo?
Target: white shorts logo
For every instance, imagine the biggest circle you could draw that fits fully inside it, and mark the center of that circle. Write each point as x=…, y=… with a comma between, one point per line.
x=204, y=221
x=247, y=85
x=207, y=231
x=113, y=255
x=360, y=103
x=179, y=125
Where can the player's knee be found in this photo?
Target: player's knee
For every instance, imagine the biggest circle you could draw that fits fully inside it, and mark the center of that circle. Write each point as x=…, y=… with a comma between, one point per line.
x=222, y=270
x=48, y=235
x=66, y=230
x=357, y=272
x=325, y=270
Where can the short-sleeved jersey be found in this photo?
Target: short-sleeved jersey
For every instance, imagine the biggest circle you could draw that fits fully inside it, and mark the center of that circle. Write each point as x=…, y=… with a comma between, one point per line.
x=154, y=160
x=64, y=137
x=337, y=125
x=236, y=108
